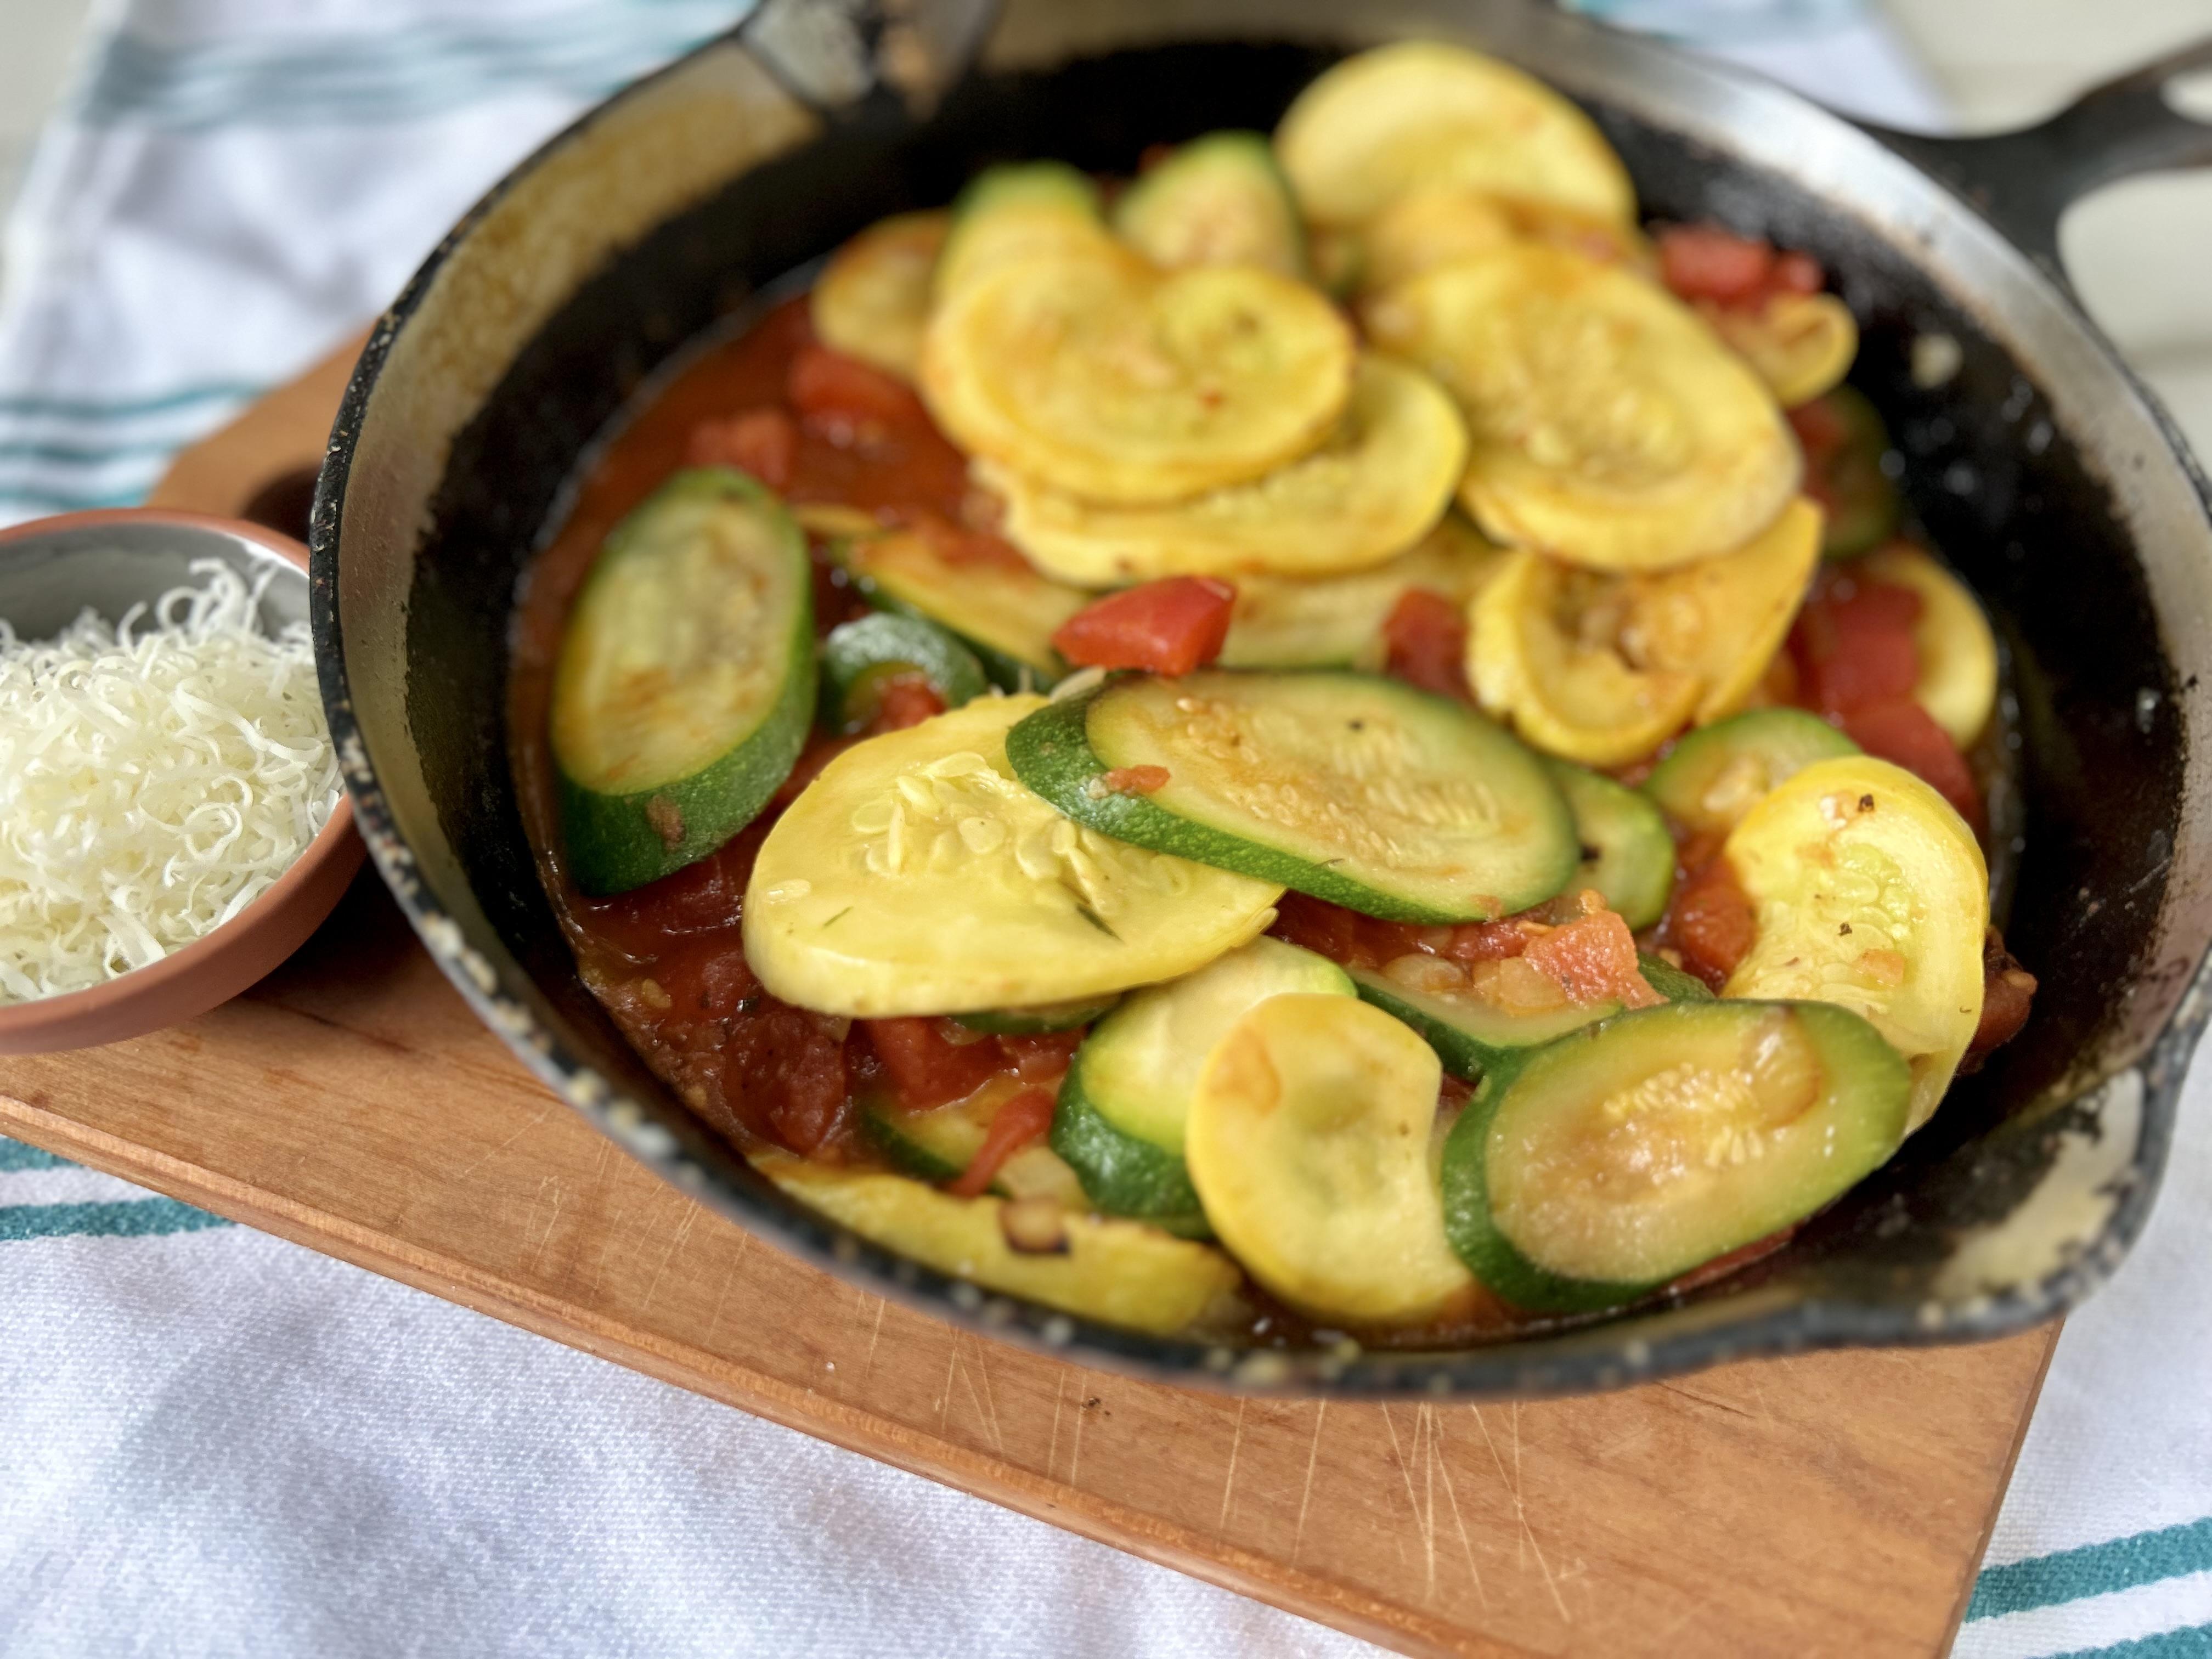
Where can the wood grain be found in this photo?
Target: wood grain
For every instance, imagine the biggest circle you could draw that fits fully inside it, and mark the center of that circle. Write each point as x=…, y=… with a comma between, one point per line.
x=1835, y=1503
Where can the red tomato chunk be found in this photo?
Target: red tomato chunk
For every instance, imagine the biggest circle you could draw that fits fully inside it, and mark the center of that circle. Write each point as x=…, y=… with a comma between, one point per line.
x=1705, y=262
x=762, y=442
x=932, y=1062
x=1424, y=639
x=1021, y=1121
x=1170, y=627
x=1904, y=732
x=1593, y=957
x=831, y=390
x=1710, y=922
x=905, y=700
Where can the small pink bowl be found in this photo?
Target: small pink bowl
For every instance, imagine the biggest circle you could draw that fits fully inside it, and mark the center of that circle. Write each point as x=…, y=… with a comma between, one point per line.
x=50, y=570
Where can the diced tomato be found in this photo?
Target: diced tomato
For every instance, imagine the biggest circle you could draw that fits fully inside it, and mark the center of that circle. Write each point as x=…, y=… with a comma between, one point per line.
x=1347, y=937
x=831, y=389
x=1854, y=647
x=926, y=1066
x=784, y=1069
x=1704, y=262
x=1593, y=960
x=1170, y=627
x=1022, y=1119
x=1042, y=1058
x=702, y=897
x=1906, y=733
x=1710, y=922
x=1797, y=273
x=1426, y=638
x=762, y=442
x=904, y=700
x=1134, y=780
x=1820, y=432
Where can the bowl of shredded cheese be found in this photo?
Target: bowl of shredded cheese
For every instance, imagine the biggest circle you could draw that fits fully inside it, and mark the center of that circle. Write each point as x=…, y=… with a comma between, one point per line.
x=172, y=821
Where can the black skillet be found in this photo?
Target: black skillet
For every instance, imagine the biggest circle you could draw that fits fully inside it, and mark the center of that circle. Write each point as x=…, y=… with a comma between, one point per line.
x=2039, y=464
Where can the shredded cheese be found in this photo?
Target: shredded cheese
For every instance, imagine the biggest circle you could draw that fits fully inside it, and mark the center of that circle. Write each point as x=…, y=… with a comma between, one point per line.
x=155, y=780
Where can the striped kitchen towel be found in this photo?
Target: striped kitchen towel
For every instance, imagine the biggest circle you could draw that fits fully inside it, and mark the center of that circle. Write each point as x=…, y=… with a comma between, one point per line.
x=215, y=1443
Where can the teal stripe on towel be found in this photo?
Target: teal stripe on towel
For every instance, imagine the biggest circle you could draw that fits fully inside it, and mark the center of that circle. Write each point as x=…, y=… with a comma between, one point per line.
x=129, y=1218
x=2142, y=1558
x=30, y=407
x=2194, y=1642
x=15, y=1155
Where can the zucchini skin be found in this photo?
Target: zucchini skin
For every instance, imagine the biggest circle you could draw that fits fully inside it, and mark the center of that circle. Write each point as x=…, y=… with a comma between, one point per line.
x=1670, y=981
x=617, y=842
x=859, y=653
x=1466, y=1056
x=1050, y=751
x=1038, y=1020
x=1634, y=865
x=1120, y=1174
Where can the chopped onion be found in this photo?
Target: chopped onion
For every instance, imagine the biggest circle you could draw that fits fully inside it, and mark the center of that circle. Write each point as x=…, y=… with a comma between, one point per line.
x=155, y=778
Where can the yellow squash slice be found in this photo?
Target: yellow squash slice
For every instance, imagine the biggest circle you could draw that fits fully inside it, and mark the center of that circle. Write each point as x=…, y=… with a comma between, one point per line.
x=917, y=876
x=1371, y=491
x=1610, y=426
x=872, y=302
x=1006, y=609
x=1336, y=622
x=1870, y=894
x=1542, y=652
x=1431, y=229
x=1120, y=1273
x=1110, y=380
x=1422, y=113
x=1309, y=1140
x=1957, y=684
x=1802, y=344
x=1019, y=211
x=1723, y=619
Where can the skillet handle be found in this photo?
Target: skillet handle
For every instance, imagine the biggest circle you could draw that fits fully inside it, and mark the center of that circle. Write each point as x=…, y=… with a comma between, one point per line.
x=2024, y=180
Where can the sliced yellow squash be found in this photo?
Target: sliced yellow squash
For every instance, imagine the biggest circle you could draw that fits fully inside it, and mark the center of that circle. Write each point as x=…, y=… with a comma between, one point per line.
x=1336, y=622
x=1542, y=653
x=1802, y=344
x=1723, y=619
x=917, y=876
x=1429, y=228
x=1423, y=113
x=1609, y=426
x=1014, y=212
x=1120, y=1273
x=1100, y=375
x=1957, y=684
x=1310, y=1139
x=872, y=300
x=1006, y=611
x=1381, y=481
x=1870, y=894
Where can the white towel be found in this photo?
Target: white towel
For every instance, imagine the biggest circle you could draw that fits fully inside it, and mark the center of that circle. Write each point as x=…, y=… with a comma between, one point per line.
x=215, y=1443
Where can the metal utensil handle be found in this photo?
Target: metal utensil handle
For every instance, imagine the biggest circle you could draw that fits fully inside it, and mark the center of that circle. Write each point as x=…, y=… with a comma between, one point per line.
x=2024, y=180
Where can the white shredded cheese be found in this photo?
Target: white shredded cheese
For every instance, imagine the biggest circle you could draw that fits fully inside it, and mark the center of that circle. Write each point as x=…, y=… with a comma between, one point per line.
x=155, y=780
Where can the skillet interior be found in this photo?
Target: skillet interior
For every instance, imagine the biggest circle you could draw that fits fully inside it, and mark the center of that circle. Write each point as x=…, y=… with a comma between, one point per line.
x=2008, y=1207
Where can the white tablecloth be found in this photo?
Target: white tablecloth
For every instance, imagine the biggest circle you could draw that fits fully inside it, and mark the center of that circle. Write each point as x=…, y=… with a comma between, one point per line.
x=212, y=1443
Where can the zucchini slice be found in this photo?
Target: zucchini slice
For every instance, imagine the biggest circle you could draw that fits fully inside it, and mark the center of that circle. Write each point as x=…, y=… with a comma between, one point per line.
x=1219, y=200
x=1018, y=211
x=1718, y=773
x=1359, y=790
x=937, y=1145
x=917, y=876
x=1609, y=426
x=1309, y=1141
x=1007, y=613
x=1801, y=344
x=1957, y=684
x=1119, y=1273
x=1126, y=1100
x=1846, y=446
x=1670, y=981
x=1040, y=1017
x=1609, y=1163
x=860, y=656
x=1870, y=893
x=1336, y=622
x=1474, y=1037
x=1371, y=492
x=1421, y=113
x=1096, y=373
x=872, y=300
x=1627, y=854
x=683, y=691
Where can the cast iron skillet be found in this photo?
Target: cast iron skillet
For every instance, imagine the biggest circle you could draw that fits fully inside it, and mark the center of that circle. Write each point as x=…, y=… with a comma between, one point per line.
x=2043, y=470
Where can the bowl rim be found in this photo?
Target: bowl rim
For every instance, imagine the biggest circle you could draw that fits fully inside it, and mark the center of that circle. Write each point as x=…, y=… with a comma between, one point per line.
x=99, y=1004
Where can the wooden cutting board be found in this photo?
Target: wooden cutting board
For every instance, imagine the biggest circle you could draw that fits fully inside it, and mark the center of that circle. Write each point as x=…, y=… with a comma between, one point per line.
x=1836, y=1504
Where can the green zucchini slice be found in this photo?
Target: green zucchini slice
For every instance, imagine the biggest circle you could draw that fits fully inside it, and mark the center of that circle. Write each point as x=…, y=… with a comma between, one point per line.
x=1614, y=1161
x=1849, y=479
x=1310, y=1142
x=1219, y=200
x=938, y=1144
x=1040, y=1019
x=1627, y=854
x=1356, y=789
x=860, y=657
x=1124, y=1101
x=1719, y=772
x=1006, y=613
x=1119, y=1273
x=916, y=875
x=1471, y=1037
x=685, y=684
x=1670, y=981
x=1015, y=211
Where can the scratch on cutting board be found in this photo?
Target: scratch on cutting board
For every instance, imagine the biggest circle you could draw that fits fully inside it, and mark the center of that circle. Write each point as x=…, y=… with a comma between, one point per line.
x=875, y=1335
x=1229, y=1479
x=675, y=1243
x=1707, y=1400
x=1075, y=1456
x=1052, y=1447
x=487, y=1157
x=985, y=1413
x=1305, y=1497
x=990, y=1406
x=550, y=1184
x=1406, y=1474
x=1512, y=1484
x=1439, y=1465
